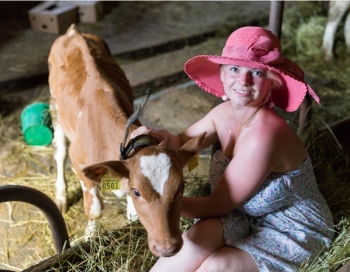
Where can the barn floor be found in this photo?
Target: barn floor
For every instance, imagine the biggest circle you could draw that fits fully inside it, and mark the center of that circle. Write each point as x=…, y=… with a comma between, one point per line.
x=151, y=41
x=142, y=35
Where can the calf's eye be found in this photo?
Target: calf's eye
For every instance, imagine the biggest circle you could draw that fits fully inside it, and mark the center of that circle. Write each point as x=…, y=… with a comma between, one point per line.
x=137, y=193
x=182, y=188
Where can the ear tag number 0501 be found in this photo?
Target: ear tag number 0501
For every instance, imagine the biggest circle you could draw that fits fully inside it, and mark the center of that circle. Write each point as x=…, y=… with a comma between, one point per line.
x=109, y=183
x=193, y=163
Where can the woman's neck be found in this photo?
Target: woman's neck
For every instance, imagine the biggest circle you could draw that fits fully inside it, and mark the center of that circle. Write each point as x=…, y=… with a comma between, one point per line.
x=244, y=115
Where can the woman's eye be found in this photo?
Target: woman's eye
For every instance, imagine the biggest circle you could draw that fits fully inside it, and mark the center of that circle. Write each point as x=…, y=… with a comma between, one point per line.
x=259, y=73
x=234, y=69
x=137, y=193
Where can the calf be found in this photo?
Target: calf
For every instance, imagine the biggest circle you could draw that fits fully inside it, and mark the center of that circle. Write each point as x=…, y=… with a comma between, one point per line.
x=337, y=10
x=92, y=101
x=156, y=185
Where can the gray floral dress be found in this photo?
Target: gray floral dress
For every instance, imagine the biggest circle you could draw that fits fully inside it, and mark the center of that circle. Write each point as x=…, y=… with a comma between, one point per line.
x=285, y=223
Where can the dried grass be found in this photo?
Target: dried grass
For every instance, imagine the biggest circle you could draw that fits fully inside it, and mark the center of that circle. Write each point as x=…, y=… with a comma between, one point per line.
x=28, y=237
x=125, y=248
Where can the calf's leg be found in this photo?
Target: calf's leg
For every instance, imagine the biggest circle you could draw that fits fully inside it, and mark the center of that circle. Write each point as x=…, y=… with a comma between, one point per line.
x=60, y=154
x=347, y=31
x=336, y=12
x=93, y=205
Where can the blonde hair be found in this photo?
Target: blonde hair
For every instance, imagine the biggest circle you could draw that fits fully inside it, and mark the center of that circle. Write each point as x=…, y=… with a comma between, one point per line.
x=276, y=80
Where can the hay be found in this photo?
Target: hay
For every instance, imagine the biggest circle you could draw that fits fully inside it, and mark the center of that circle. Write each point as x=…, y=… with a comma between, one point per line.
x=196, y=185
x=122, y=250
x=125, y=248
x=302, y=33
x=336, y=256
x=28, y=237
x=301, y=40
x=331, y=165
x=313, y=30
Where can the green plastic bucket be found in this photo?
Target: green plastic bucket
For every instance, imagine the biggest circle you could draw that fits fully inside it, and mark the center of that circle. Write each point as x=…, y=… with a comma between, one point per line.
x=36, y=124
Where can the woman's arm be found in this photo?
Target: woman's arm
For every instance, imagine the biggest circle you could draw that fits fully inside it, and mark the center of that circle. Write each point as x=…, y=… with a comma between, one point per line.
x=255, y=157
x=164, y=137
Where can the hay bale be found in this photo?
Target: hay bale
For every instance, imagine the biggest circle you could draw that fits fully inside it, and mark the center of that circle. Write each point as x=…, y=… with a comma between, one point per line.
x=309, y=36
x=336, y=256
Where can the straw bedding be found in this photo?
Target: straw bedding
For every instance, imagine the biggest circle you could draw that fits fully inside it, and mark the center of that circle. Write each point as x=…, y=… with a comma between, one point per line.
x=125, y=248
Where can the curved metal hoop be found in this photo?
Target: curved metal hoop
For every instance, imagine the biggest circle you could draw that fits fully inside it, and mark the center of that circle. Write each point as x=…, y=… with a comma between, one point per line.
x=45, y=204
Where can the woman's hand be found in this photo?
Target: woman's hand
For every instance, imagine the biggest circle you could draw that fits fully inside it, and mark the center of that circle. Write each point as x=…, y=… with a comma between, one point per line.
x=163, y=136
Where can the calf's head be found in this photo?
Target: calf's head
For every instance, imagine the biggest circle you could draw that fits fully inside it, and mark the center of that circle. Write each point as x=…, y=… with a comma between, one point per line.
x=156, y=185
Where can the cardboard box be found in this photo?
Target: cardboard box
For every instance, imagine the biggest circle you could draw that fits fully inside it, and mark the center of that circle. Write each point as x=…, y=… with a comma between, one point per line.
x=53, y=17
x=89, y=11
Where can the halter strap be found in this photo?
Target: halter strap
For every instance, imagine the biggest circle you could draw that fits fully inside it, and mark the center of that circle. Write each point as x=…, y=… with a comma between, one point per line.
x=139, y=141
x=123, y=152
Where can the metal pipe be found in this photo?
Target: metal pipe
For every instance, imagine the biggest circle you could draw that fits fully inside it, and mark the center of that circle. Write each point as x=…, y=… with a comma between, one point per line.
x=275, y=26
x=45, y=204
x=276, y=15
x=304, y=114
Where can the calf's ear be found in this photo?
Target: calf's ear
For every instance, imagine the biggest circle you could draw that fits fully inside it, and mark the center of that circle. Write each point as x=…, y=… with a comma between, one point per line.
x=190, y=148
x=116, y=168
x=72, y=30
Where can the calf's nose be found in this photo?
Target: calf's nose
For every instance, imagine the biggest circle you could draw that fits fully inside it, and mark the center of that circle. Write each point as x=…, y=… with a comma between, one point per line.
x=166, y=247
x=166, y=251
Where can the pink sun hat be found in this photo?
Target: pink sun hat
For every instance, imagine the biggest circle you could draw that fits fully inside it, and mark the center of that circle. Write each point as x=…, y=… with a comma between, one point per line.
x=253, y=47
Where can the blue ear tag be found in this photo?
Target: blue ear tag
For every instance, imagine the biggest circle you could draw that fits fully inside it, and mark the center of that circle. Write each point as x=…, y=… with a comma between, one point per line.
x=109, y=183
x=193, y=163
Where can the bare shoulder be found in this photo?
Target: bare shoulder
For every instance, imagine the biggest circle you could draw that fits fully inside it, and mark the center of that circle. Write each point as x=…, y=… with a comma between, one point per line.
x=209, y=123
x=271, y=137
x=267, y=126
x=221, y=111
x=221, y=108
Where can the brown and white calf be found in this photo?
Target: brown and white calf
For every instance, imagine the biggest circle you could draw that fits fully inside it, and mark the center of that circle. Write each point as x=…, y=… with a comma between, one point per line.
x=337, y=10
x=92, y=101
x=156, y=186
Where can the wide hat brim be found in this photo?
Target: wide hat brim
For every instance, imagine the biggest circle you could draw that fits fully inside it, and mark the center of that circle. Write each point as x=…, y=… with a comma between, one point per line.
x=204, y=70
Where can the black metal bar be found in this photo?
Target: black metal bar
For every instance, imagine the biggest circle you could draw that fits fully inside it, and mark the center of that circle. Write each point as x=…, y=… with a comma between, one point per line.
x=275, y=26
x=45, y=204
x=276, y=16
x=304, y=114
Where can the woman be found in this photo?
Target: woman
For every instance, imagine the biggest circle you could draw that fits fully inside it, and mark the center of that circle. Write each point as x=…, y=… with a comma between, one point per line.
x=265, y=212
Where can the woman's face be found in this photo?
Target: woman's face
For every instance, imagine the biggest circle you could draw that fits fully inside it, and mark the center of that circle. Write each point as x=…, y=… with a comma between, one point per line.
x=245, y=85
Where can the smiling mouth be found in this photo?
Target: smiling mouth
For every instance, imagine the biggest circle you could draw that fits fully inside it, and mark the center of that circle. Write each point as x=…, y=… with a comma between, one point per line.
x=242, y=91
